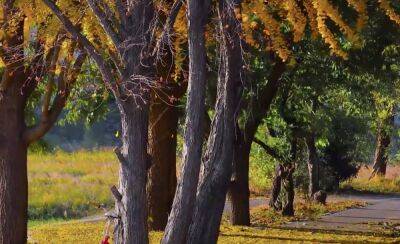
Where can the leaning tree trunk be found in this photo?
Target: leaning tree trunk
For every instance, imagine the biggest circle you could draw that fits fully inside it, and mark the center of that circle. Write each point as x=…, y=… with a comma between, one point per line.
x=382, y=151
x=239, y=193
x=13, y=168
x=312, y=164
x=183, y=204
x=162, y=149
x=133, y=158
x=217, y=168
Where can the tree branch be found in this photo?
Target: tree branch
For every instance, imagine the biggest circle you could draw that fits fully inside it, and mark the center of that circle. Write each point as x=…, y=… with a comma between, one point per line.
x=49, y=116
x=168, y=25
x=104, y=68
x=272, y=152
x=107, y=21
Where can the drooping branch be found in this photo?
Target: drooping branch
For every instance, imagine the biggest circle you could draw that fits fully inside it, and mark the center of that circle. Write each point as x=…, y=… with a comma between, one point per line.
x=106, y=19
x=104, y=68
x=49, y=115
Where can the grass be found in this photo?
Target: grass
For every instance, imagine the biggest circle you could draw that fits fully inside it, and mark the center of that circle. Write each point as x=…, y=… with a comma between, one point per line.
x=263, y=216
x=79, y=232
x=70, y=185
x=381, y=185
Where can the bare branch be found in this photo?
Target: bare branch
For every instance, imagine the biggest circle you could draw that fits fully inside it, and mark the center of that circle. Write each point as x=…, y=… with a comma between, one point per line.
x=119, y=155
x=168, y=26
x=106, y=20
x=104, y=68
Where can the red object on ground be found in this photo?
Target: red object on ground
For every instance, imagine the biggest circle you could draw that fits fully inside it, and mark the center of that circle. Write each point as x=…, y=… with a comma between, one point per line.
x=105, y=240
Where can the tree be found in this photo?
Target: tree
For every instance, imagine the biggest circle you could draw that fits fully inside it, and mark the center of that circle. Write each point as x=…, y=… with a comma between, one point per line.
x=31, y=70
x=183, y=204
x=130, y=78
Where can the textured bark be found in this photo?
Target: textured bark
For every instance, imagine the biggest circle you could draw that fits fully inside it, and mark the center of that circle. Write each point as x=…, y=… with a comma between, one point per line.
x=218, y=157
x=183, y=204
x=382, y=150
x=13, y=168
x=276, y=187
x=133, y=172
x=162, y=148
x=312, y=164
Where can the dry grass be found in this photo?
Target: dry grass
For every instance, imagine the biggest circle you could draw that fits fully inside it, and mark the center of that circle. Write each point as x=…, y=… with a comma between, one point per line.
x=385, y=185
x=70, y=184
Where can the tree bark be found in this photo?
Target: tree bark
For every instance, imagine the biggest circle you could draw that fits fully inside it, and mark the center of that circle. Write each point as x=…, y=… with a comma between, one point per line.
x=183, y=204
x=312, y=164
x=217, y=161
x=133, y=157
x=276, y=188
x=382, y=150
x=162, y=148
x=13, y=168
x=239, y=191
x=287, y=180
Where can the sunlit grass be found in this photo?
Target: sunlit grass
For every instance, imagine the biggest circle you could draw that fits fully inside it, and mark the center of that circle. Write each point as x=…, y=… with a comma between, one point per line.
x=378, y=184
x=70, y=184
x=78, y=232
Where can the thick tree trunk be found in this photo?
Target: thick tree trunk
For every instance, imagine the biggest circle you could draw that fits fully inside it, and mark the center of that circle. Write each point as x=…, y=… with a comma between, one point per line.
x=276, y=187
x=162, y=149
x=312, y=164
x=183, y=204
x=133, y=157
x=13, y=169
x=218, y=158
x=382, y=150
x=239, y=192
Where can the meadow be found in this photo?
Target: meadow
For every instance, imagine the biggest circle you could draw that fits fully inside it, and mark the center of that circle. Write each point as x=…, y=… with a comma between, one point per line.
x=70, y=185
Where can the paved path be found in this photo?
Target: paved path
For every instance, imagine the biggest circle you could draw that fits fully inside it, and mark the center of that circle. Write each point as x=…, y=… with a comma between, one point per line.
x=382, y=211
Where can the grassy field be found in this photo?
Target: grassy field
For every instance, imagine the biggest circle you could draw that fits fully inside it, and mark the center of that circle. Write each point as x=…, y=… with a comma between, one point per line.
x=265, y=229
x=385, y=185
x=70, y=185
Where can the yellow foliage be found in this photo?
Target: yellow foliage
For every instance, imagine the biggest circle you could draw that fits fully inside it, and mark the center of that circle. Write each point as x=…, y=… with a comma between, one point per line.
x=385, y=5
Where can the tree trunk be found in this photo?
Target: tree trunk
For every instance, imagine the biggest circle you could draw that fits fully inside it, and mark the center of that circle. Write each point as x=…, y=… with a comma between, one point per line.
x=239, y=192
x=132, y=208
x=13, y=168
x=312, y=164
x=183, y=204
x=218, y=158
x=287, y=180
x=276, y=187
x=382, y=150
x=162, y=148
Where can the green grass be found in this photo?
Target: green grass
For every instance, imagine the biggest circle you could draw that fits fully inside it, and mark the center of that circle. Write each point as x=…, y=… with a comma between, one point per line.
x=69, y=185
